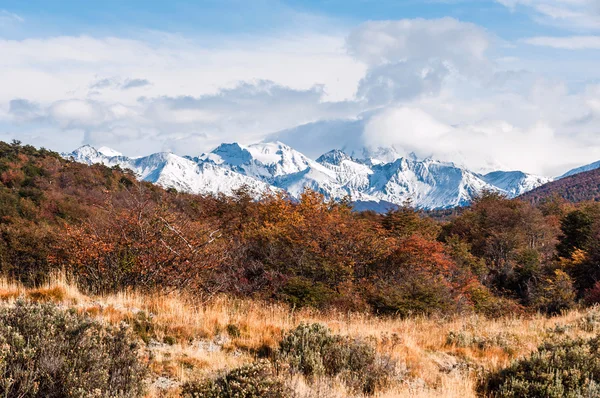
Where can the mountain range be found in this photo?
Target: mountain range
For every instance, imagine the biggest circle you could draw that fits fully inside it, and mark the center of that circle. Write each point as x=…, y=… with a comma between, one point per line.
x=378, y=180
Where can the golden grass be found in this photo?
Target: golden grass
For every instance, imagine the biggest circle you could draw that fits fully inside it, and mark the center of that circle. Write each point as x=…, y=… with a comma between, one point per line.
x=441, y=356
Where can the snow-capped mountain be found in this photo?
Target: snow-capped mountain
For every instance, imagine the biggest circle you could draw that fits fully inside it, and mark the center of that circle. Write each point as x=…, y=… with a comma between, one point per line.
x=587, y=167
x=274, y=166
x=514, y=183
x=428, y=184
x=172, y=171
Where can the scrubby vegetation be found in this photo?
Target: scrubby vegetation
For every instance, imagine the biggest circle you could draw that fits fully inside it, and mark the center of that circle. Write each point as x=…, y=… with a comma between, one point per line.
x=48, y=352
x=255, y=380
x=314, y=351
x=563, y=368
x=337, y=303
x=187, y=345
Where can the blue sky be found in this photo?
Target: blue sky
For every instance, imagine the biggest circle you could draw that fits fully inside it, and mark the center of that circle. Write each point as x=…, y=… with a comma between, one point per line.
x=486, y=83
x=235, y=17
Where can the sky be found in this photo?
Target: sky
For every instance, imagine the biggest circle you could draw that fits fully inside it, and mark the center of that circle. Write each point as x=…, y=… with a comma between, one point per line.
x=488, y=84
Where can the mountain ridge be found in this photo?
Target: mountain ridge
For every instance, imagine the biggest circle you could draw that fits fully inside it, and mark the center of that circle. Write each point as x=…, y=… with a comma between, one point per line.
x=269, y=167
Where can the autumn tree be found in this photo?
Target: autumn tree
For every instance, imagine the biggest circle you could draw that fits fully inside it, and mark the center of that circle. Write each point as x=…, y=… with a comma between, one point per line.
x=514, y=238
x=140, y=244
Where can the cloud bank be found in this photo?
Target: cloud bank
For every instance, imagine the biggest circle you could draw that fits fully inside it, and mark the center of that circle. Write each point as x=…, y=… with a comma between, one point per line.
x=437, y=87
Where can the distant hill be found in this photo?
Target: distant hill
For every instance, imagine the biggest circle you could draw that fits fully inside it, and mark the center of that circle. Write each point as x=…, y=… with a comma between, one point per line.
x=574, y=188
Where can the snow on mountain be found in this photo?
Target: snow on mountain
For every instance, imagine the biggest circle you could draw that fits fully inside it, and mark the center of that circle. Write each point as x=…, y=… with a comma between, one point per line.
x=264, y=161
x=172, y=171
x=426, y=184
x=379, y=155
x=350, y=173
x=86, y=154
x=588, y=167
x=372, y=183
x=106, y=151
x=318, y=179
x=514, y=183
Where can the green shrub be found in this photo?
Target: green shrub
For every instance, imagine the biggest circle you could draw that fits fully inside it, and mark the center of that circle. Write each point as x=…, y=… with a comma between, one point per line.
x=590, y=322
x=559, y=368
x=256, y=380
x=313, y=351
x=48, y=352
x=302, y=292
x=412, y=296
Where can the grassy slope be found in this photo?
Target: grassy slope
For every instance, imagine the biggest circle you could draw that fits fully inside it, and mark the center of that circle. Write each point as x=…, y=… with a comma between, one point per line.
x=200, y=344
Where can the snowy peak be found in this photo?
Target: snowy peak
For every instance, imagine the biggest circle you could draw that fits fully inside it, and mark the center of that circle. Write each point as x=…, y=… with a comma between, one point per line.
x=514, y=183
x=334, y=157
x=85, y=154
x=588, y=167
x=274, y=166
x=106, y=151
x=182, y=173
x=232, y=154
x=279, y=158
x=427, y=184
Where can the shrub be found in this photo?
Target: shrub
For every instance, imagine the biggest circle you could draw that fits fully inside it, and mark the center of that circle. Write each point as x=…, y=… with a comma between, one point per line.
x=590, y=322
x=233, y=330
x=301, y=292
x=486, y=303
x=48, y=352
x=483, y=341
x=554, y=293
x=592, y=296
x=313, y=351
x=256, y=380
x=559, y=368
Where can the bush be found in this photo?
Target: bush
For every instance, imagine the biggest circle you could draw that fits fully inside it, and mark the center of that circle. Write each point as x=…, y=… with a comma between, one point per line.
x=554, y=293
x=313, y=351
x=412, y=296
x=48, y=352
x=559, y=368
x=250, y=381
x=301, y=292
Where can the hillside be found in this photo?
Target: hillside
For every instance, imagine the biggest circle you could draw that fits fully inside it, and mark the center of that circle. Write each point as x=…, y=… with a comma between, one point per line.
x=580, y=187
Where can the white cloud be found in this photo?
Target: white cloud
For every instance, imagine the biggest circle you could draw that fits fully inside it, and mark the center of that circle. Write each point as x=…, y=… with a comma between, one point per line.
x=428, y=86
x=571, y=14
x=568, y=43
x=410, y=58
x=380, y=42
x=47, y=69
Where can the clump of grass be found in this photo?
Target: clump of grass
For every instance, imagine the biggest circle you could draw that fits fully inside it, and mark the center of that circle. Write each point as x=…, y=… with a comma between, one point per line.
x=55, y=294
x=143, y=326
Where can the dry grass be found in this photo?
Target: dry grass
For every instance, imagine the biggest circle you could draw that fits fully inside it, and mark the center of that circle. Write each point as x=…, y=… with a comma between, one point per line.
x=440, y=357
